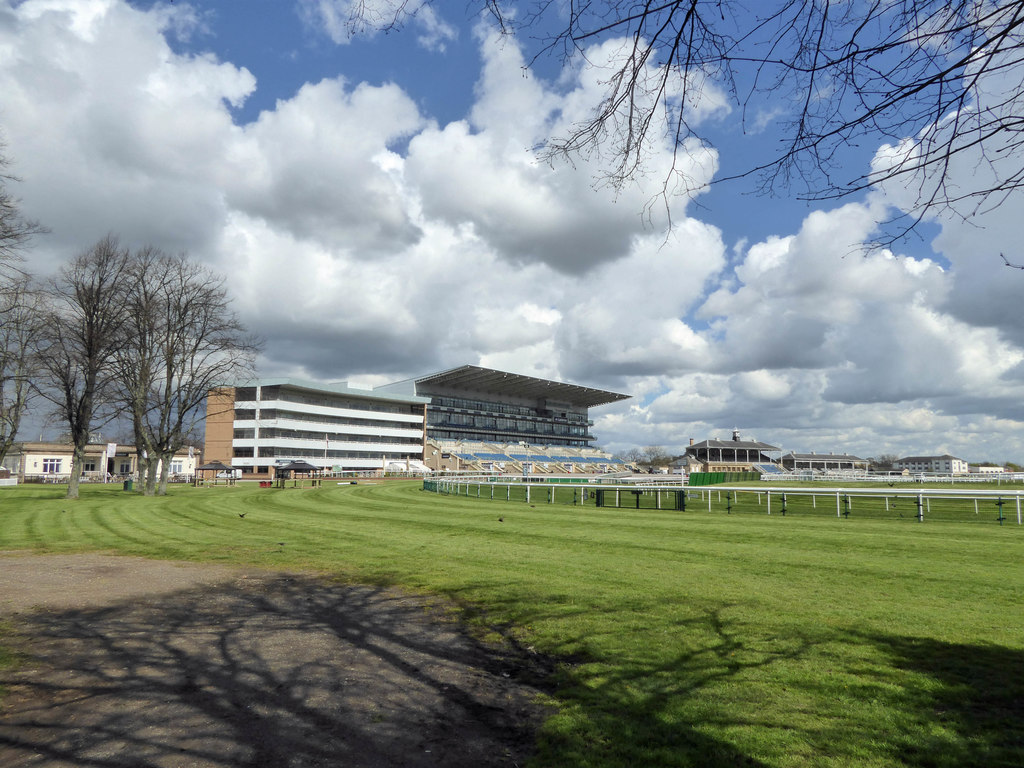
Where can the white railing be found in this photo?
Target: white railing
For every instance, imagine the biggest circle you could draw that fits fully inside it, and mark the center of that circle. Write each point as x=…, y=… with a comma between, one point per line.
x=950, y=503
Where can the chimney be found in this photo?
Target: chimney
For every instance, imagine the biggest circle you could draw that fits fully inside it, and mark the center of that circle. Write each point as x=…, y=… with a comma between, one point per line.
x=691, y=441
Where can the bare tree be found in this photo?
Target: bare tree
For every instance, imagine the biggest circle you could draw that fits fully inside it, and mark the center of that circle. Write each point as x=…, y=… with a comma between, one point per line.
x=15, y=229
x=934, y=79
x=655, y=455
x=883, y=461
x=19, y=313
x=20, y=324
x=183, y=340
x=631, y=456
x=81, y=330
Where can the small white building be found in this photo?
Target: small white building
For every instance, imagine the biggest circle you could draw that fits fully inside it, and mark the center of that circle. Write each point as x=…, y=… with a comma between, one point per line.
x=942, y=465
x=50, y=462
x=987, y=470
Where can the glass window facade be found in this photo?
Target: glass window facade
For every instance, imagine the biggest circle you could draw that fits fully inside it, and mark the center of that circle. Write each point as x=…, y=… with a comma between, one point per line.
x=455, y=418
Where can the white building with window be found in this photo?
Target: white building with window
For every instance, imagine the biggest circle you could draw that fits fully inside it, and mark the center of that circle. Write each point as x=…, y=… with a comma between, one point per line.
x=943, y=465
x=259, y=425
x=50, y=462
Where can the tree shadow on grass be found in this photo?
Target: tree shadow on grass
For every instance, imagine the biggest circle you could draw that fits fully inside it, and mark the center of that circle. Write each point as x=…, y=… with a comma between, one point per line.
x=632, y=711
x=280, y=671
x=890, y=700
x=971, y=714
x=617, y=712
x=932, y=705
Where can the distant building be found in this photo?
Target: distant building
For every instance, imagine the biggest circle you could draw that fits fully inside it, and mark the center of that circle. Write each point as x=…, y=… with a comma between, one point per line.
x=823, y=462
x=986, y=470
x=948, y=465
x=51, y=462
x=734, y=455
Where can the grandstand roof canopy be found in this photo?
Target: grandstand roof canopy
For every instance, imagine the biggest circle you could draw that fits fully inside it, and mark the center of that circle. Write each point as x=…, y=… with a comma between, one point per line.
x=474, y=378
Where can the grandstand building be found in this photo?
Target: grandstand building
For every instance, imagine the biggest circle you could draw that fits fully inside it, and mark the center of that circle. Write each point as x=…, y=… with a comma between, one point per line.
x=824, y=461
x=259, y=425
x=734, y=455
x=483, y=405
x=474, y=419
x=480, y=419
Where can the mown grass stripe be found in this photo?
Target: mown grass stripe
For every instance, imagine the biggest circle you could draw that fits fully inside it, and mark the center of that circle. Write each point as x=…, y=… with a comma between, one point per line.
x=690, y=638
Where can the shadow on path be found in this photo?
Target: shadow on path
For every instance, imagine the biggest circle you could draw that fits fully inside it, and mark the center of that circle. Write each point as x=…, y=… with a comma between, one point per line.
x=273, y=671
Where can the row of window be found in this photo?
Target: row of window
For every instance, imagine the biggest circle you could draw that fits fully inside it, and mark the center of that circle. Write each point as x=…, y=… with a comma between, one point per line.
x=53, y=466
x=303, y=453
x=272, y=393
x=268, y=433
x=249, y=414
x=491, y=437
x=515, y=426
x=506, y=408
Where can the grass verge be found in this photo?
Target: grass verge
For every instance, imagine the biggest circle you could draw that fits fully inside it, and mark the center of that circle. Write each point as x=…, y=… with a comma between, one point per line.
x=687, y=639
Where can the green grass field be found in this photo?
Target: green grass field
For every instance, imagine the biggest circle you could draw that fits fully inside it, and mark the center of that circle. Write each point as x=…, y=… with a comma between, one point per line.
x=686, y=639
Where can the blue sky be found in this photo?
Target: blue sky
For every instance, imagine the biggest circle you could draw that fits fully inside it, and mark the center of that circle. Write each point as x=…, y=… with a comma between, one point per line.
x=378, y=214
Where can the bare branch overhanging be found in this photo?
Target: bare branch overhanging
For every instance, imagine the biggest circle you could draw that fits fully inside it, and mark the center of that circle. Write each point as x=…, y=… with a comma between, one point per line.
x=916, y=74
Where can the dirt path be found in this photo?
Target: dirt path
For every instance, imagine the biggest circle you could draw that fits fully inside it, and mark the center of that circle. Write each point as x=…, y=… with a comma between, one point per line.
x=132, y=662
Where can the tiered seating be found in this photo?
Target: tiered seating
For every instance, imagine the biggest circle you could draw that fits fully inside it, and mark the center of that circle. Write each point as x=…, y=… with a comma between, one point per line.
x=511, y=457
x=494, y=456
